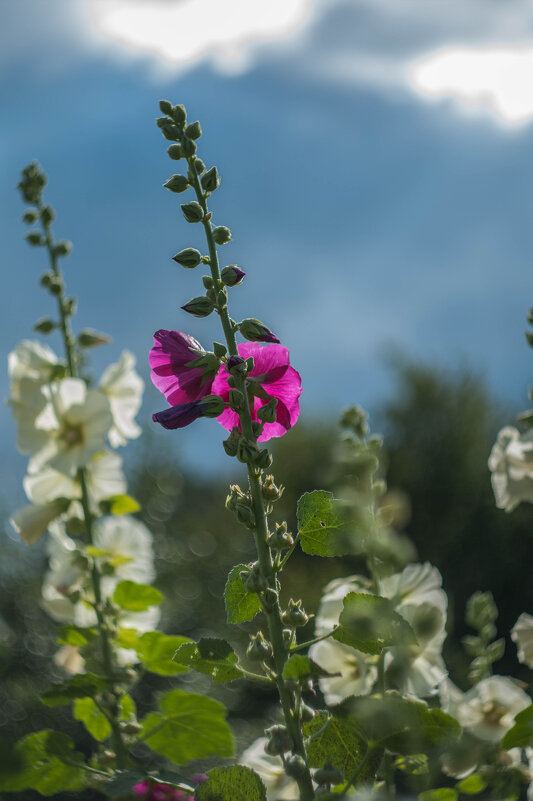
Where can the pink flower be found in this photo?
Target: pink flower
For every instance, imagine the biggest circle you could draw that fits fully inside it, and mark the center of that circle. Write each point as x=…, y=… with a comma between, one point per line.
x=152, y=790
x=173, y=371
x=273, y=372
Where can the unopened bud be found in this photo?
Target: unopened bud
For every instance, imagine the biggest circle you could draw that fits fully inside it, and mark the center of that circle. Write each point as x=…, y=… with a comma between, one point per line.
x=267, y=412
x=253, y=579
x=231, y=444
x=193, y=130
x=188, y=147
x=165, y=106
x=207, y=281
x=257, y=428
x=171, y=132
x=178, y=114
x=63, y=248
x=88, y=338
x=307, y=713
x=222, y=298
x=269, y=489
x=254, y=331
x=295, y=767
x=210, y=180
x=212, y=406
x=278, y=740
x=281, y=539
x=236, y=400
x=107, y=757
x=199, y=166
x=69, y=306
x=177, y=183
x=245, y=515
x=161, y=122
x=35, y=238
x=247, y=451
x=259, y=649
x=328, y=775
x=295, y=614
x=189, y=257
x=47, y=215
x=287, y=639
x=175, y=152
x=221, y=234
x=232, y=275
x=130, y=727
x=199, y=307
x=270, y=599
x=44, y=326
x=237, y=365
x=30, y=216
x=55, y=285
x=192, y=212
x=219, y=349
x=263, y=460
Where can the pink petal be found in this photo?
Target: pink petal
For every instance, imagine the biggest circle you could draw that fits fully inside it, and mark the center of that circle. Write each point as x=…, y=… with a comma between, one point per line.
x=178, y=383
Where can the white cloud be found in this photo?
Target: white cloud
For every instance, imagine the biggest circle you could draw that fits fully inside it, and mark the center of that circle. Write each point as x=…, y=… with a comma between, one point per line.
x=492, y=80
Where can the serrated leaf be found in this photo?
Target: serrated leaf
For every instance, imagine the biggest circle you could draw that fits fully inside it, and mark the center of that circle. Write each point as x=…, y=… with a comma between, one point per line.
x=521, y=735
x=323, y=530
x=335, y=740
x=39, y=763
x=96, y=723
x=214, y=657
x=82, y=685
x=136, y=597
x=369, y=623
x=234, y=783
x=241, y=605
x=189, y=726
x=156, y=651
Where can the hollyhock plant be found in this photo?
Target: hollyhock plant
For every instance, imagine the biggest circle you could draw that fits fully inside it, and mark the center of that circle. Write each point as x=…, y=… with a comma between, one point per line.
x=173, y=372
x=275, y=378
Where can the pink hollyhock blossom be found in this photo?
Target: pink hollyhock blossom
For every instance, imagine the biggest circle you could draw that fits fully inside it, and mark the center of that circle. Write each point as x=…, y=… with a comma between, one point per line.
x=172, y=371
x=273, y=371
x=152, y=790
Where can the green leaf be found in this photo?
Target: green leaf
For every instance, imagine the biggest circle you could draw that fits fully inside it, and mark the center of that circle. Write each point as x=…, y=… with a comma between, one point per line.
x=122, y=505
x=300, y=668
x=234, y=783
x=472, y=785
x=521, y=735
x=323, y=530
x=156, y=651
x=214, y=657
x=127, y=638
x=126, y=706
x=96, y=723
x=338, y=741
x=82, y=685
x=39, y=762
x=370, y=624
x=439, y=794
x=75, y=635
x=241, y=605
x=189, y=726
x=136, y=597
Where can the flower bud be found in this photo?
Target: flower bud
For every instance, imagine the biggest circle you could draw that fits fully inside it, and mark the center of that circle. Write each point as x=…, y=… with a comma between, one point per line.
x=236, y=400
x=88, y=338
x=264, y=459
x=171, y=132
x=270, y=491
x=267, y=412
x=165, y=106
x=30, y=216
x=237, y=365
x=236, y=495
x=259, y=649
x=231, y=444
x=189, y=257
x=175, y=152
x=107, y=758
x=219, y=349
x=162, y=121
x=247, y=451
x=193, y=130
x=295, y=767
x=328, y=775
x=254, y=331
x=69, y=306
x=295, y=615
x=281, y=539
x=199, y=166
x=210, y=180
x=232, y=275
x=199, y=307
x=270, y=599
x=130, y=727
x=245, y=515
x=178, y=114
x=177, y=183
x=222, y=298
x=35, y=238
x=287, y=639
x=211, y=406
x=47, y=215
x=278, y=740
x=307, y=713
x=44, y=326
x=63, y=248
x=207, y=281
x=257, y=428
x=221, y=234
x=192, y=212
x=55, y=285
x=253, y=579
x=188, y=147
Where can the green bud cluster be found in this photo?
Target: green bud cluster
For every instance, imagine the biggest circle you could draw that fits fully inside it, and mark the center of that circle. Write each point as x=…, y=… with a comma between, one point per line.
x=259, y=649
x=253, y=579
x=295, y=615
x=280, y=539
x=278, y=740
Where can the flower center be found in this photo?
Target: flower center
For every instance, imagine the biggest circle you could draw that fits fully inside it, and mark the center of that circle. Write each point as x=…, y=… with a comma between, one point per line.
x=493, y=713
x=72, y=436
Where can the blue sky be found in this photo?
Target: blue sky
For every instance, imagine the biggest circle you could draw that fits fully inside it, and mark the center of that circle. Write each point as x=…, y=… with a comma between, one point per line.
x=377, y=198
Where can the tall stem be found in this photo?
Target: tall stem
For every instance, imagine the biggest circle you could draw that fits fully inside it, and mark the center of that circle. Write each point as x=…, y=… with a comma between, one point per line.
x=72, y=367
x=274, y=622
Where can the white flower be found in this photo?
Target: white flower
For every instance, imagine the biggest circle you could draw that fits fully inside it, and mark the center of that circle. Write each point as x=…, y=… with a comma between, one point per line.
x=103, y=475
x=123, y=388
x=76, y=421
x=69, y=658
x=419, y=669
x=357, y=673
x=488, y=710
x=522, y=635
x=33, y=520
x=331, y=601
x=511, y=465
x=416, y=584
x=128, y=546
x=32, y=360
x=279, y=786
x=27, y=401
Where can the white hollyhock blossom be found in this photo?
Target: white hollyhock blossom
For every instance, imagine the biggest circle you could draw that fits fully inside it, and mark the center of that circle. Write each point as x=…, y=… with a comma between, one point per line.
x=522, y=635
x=123, y=387
x=279, y=787
x=76, y=421
x=416, y=584
x=34, y=361
x=69, y=658
x=331, y=602
x=488, y=710
x=31, y=521
x=419, y=669
x=358, y=671
x=511, y=465
x=128, y=546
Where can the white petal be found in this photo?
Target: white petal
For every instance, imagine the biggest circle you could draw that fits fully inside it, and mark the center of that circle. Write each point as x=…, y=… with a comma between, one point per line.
x=32, y=520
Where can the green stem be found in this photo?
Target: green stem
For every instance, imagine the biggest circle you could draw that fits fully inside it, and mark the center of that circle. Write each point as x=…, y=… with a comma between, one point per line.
x=303, y=645
x=275, y=625
x=288, y=554
x=107, y=654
